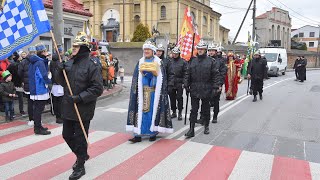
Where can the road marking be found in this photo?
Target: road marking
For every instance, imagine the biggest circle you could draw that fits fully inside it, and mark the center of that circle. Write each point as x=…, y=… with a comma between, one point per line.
x=186, y=158
x=304, y=150
x=274, y=145
x=116, y=110
x=315, y=170
x=252, y=165
x=12, y=130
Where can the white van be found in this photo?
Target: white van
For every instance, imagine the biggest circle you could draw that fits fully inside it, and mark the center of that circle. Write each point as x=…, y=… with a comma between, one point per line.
x=277, y=60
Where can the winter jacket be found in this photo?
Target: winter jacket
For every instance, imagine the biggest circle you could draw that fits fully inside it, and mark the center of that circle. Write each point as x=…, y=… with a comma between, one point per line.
x=85, y=79
x=104, y=70
x=38, y=75
x=257, y=68
x=53, y=67
x=7, y=88
x=13, y=69
x=221, y=65
x=177, y=69
x=3, y=67
x=23, y=73
x=203, y=77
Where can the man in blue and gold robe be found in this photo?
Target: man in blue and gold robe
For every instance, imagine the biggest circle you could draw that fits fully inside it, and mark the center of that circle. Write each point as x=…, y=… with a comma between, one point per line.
x=149, y=112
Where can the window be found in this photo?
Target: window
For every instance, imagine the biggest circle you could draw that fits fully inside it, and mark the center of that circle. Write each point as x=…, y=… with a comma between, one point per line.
x=136, y=8
x=193, y=17
x=163, y=12
x=311, y=44
x=311, y=34
x=204, y=21
x=211, y=26
x=301, y=34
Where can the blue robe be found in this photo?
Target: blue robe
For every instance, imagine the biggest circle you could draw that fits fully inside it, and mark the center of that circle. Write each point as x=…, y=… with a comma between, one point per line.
x=162, y=121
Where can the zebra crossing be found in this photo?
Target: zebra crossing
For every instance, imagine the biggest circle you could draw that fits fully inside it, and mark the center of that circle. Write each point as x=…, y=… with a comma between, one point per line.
x=24, y=155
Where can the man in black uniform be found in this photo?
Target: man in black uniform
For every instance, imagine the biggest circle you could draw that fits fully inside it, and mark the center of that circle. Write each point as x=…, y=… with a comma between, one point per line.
x=87, y=85
x=256, y=72
x=160, y=53
x=178, y=67
x=202, y=80
x=221, y=66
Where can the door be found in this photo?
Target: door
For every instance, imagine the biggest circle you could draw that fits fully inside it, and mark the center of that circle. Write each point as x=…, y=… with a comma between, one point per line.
x=109, y=36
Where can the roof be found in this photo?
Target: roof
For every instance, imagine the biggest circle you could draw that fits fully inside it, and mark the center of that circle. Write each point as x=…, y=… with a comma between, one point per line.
x=224, y=28
x=71, y=6
x=263, y=16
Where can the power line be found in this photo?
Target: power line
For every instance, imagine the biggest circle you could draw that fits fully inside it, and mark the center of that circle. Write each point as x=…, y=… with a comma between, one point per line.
x=294, y=16
x=230, y=7
x=297, y=12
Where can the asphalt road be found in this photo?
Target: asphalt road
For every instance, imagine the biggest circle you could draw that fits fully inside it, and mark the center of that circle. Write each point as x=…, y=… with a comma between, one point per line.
x=285, y=123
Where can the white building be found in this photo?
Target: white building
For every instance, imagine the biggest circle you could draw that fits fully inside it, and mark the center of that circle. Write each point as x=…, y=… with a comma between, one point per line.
x=274, y=27
x=309, y=35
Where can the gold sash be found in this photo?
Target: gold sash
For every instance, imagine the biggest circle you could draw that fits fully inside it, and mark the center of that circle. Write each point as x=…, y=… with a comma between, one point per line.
x=152, y=67
x=147, y=97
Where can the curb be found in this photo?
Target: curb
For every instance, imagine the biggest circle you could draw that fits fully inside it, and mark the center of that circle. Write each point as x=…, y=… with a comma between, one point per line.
x=102, y=97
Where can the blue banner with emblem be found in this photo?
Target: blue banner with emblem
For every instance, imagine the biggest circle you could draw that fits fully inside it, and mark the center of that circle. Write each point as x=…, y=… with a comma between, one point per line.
x=20, y=22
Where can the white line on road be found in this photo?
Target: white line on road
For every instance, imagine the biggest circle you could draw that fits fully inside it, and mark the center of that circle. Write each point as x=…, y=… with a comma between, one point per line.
x=304, y=150
x=274, y=145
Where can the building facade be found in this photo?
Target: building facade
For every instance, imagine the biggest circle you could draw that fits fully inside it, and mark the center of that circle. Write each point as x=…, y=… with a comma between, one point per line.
x=74, y=17
x=274, y=28
x=112, y=21
x=309, y=35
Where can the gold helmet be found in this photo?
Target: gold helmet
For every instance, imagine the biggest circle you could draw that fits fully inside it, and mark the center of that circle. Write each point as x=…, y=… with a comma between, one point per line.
x=81, y=39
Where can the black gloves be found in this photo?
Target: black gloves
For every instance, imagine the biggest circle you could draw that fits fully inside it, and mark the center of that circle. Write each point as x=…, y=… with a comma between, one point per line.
x=61, y=65
x=74, y=99
x=187, y=88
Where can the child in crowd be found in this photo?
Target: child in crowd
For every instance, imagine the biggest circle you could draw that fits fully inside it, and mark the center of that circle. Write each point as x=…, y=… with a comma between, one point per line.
x=121, y=73
x=8, y=92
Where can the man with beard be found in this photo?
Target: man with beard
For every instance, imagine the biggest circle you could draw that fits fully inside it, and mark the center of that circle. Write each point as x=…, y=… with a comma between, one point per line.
x=86, y=82
x=178, y=67
x=202, y=81
x=256, y=72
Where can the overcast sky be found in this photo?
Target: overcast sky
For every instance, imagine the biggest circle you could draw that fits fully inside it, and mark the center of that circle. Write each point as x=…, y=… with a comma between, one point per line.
x=304, y=12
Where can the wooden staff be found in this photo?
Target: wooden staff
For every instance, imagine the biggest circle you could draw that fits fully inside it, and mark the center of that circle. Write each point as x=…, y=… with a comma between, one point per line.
x=70, y=90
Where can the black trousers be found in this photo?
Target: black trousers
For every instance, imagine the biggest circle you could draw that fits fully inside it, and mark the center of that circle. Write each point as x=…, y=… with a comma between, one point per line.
x=296, y=72
x=30, y=107
x=37, y=112
x=20, y=98
x=175, y=95
x=205, y=110
x=215, y=104
x=57, y=101
x=257, y=86
x=73, y=135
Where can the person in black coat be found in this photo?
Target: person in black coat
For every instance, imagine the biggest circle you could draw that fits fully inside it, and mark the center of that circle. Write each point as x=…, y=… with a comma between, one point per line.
x=177, y=68
x=256, y=72
x=301, y=69
x=23, y=74
x=295, y=67
x=86, y=82
x=202, y=81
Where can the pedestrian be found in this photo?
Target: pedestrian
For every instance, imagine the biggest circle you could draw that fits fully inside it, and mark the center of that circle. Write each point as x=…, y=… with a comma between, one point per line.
x=295, y=67
x=160, y=53
x=221, y=66
x=148, y=112
x=17, y=80
x=104, y=70
x=301, y=69
x=232, y=78
x=202, y=81
x=86, y=82
x=178, y=70
x=95, y=57
x=3, y=67
x=111, y=72
x=121, y=73
x=38, y=84
x=8, y=92
x=116, y=69
x=256, y=72
x=23, y=69
x=57, y=90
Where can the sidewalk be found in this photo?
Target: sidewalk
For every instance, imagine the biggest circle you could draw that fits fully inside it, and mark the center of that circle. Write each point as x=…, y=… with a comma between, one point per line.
x=106, y=94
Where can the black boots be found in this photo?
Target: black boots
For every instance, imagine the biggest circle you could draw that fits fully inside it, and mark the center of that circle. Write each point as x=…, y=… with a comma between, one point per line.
x=254, y=98
x=152, y=138
x=190, y=133
x=42, y=131
x=135, y=139
x=260, y=95
x=76, y=163
x=59, y=121
x=174, y=114
x=206, y=129
x=79, y=170
x=180, y=116
x=214, y=119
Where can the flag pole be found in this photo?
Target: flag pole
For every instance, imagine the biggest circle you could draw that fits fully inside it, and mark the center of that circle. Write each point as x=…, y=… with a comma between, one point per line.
x=3, y=3
x=70, y=90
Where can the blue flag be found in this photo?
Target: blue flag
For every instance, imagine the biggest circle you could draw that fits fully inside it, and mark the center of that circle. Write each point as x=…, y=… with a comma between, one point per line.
x=20, y=22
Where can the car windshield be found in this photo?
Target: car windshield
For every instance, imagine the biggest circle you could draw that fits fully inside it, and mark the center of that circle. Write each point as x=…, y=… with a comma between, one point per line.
x=271, y=57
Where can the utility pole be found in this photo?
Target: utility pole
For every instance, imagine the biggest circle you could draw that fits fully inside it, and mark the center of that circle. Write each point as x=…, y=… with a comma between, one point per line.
x=318, y=49
x=123, y=16
x=254, y=20
x=177, y=20
x=58, y=24
x=244, y=18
